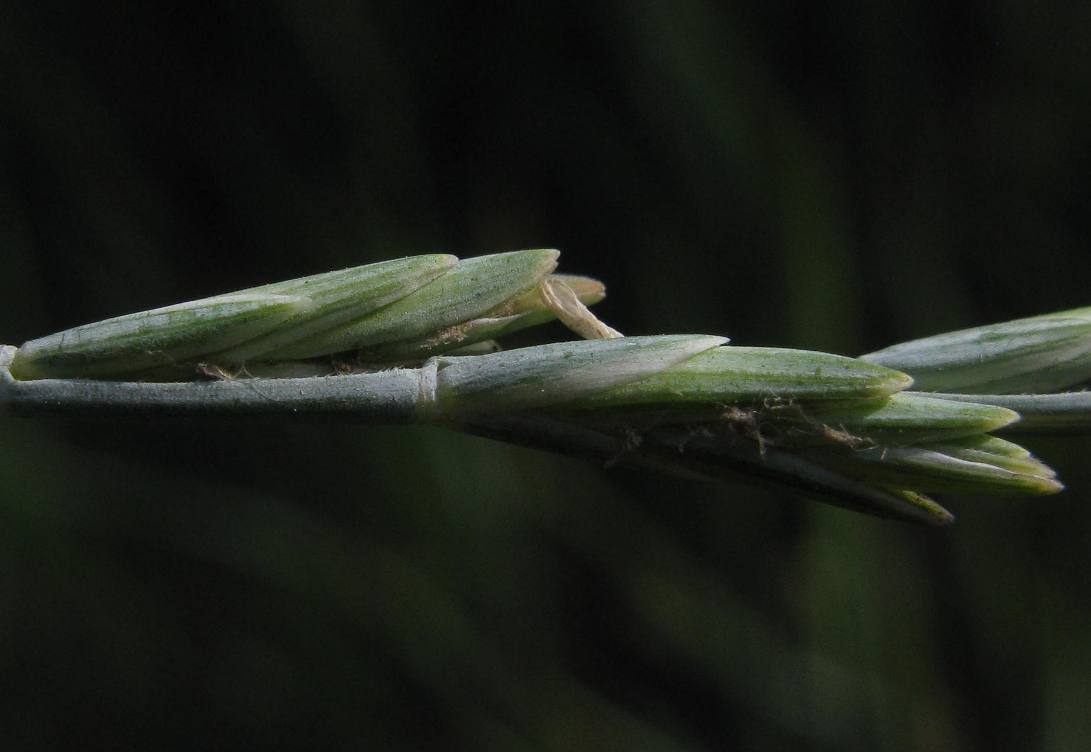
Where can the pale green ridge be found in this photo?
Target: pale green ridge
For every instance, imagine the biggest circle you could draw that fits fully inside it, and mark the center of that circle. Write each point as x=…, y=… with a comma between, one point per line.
x=537, y=377
x=469, y=289
x=753, y=375
x=520, y=312
x=338, y=297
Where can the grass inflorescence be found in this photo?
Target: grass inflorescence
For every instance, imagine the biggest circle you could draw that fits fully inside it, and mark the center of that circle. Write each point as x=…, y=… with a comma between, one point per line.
x=848, y=430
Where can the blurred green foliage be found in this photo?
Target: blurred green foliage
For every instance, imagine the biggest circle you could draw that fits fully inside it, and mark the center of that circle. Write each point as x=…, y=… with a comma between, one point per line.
x=838, y=176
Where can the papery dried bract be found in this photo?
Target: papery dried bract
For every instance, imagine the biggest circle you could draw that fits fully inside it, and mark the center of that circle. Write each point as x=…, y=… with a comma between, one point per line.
x=515, y=314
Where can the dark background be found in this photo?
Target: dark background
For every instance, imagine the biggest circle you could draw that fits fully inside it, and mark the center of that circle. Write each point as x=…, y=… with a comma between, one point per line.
x=837, y=176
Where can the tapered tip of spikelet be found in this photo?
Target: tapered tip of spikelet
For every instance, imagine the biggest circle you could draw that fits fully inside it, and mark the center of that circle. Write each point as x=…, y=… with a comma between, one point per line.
x=916, y=506
x=897, y=382
x=962, y=467
x=546, y=258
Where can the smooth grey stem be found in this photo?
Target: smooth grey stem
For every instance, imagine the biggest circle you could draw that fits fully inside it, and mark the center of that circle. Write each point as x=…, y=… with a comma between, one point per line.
x=385, y=397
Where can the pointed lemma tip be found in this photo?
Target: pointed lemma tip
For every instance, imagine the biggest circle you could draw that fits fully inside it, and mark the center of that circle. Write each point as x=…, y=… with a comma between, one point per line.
x=710, y=341
x=924, y=509
x=547, y=255
x=1049, y=486
x=542, y=260
x=1004, y=418
x=901, y=381
x=441, y=260
x=942, y=517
